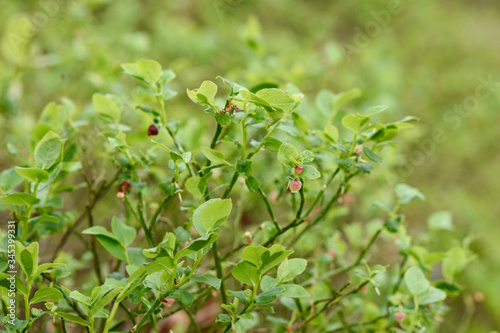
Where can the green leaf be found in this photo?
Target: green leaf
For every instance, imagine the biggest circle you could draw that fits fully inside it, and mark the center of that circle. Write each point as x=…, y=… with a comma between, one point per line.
x=150, y=70
x=441, y=220
x=267, y=283
x=205, y=94
x=276, y=255
x=47, y=294
x=48, y=150
x=27, y=262
x=289, y=269
x=78, y=296
x=33, y=174
x=196, y=186
x=160, y=264
x=212, y=281
x=354, y=122
x=182, y=296
x=197, y=217
x=252, y=184
x=99, y=230
x=114, y=247
x=372, y=156
x=294, y=291
x=288, y=156
x=406, y=193
x=214, y=156
x=124, y=233
x=197, y=245
x=310, y=172
x=106, y=107
x=215, y=214
x=73, y=318
x=110, y=242
x=20, y=199
x=133, y=281
x=431, y=295
x=415, y=281
x=345, y=97
x=455, y=261
x=306, y=156
x=376, y=110
x=325, y=101
x=51, y=115
x=277, y=98
x=223, y=318
x=246, y=273
x=269, y=296
x=43, y=267
x=253, y=254
x=332, y=133
x=223, y=118
x=9, y=179
x=100, y=302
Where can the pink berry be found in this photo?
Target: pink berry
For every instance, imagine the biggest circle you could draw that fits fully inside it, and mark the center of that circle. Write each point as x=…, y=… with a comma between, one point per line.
x=299, y=169
x=399, y=316
x=295, y=185
x=168, y=301
x=120, y=195
x=152, y=130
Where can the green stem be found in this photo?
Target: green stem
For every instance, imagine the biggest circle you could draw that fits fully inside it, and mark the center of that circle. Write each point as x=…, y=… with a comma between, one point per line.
x=301, y=205
x=28, y=215
x=269, y=209
x=250, y=155
x=27, y=310
x=147, y=232
x=152, y=222
x=244, y=138
x=218, y=130
x=193, y=321
x=218, y=268
x=344, y=269
x=295, y=222
x=353, y=145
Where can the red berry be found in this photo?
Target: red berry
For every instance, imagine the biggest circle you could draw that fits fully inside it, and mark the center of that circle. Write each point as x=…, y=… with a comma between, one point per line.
x=295, y=185
x=125, y=186
x=299, y=169
x=152, y=130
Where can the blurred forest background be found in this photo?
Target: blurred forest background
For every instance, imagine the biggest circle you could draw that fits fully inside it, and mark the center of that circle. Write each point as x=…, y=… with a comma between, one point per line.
x=437, y=60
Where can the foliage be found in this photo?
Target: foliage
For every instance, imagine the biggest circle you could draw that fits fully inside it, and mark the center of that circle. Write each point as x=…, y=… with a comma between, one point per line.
x=190, y=262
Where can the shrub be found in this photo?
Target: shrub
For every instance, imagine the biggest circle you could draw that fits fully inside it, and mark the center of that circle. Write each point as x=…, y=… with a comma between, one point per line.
x=178, y=230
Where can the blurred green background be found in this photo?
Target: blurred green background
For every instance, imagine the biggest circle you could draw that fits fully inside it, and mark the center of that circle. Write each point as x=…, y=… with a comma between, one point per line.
x=437, y=60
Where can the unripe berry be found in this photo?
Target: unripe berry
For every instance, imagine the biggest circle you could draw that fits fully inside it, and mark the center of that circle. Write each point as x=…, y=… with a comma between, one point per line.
x=152, y=130
x=249, y=236
x=168, y=301
x=295, y=185
x=120, y=195
x=478, y=296
x=298, y=169
x=399, y=316
x=358, y=149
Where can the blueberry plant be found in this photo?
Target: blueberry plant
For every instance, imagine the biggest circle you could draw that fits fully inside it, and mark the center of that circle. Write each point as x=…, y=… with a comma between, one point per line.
x=166, y=224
